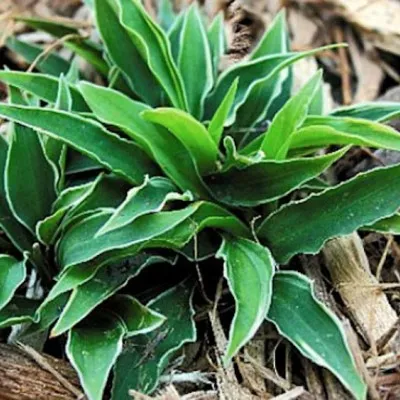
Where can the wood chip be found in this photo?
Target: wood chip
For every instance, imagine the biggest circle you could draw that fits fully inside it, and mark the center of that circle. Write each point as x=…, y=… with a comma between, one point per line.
x=24, y=378
x=291, y=394
x=349, y=269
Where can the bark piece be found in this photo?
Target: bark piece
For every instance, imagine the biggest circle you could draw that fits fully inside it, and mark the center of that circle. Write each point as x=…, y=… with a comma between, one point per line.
x=21, y=378
x=367, y=305
x=313, y=379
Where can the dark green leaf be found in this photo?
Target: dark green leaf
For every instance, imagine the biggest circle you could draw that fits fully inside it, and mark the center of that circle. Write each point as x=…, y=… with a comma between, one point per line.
x=43, y=86
x=390, y=225
x=30, y=198
x=47, y=228
x=313, y=329
x=56, y=151
x=253, y=95
x=194, y=61
x=107, y=281
x=80, y=243
x=153, y=45
x=248, y=268
x=12, y=275
x=145, y=357
x=71, y=279
x=114, y=108
x=84, y=48
x=21, y=238
x=217, y=40
x=267, y=181
x=138, y=319
x=290, y=117
x=264, y=93
x=377, y=111
x=125, y=54
x=77, y=163
x=17, y=311
x=46, y=315
x=148, y=198
x=52, y=64
x=304, y=226
x=216, y=127
x=117, y=154
x=93, y=348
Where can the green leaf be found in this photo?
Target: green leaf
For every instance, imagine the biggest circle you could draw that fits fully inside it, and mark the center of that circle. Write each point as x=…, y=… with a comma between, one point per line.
x=125, y=54
x=70, y=197
x=107, y=281
x=43, y=86
x=30, y=198
x=267, y=92
x=148, y=198
x=21, y=238
x=138, y=319
x=84, y=48
x=166, y=15
x=46, y=315
x=381, y=111
x=390, y=225
x=313, y=329
x=52, y=64
x=64, y=97
x=55, y=28
x=17, y=311
x=77, y=163
x=274, y=40
x=194, y=61
x=267, y=181
x=145, y=357
x=217, y=40
x=317, y=105
x=93, y=348
x=56, y=151
x=80, y=243
x=104, y=191
x=190, y=132
x=248, y=268
x=72, y=278
x=118, y=155
x=304, y=226
x=216, y=127
x=316, y=184
x=174, y=35
x=253, y=95
x=325, y=131
x=210, y=215
x=73, y=73
x=12, y=275
x=153, y=45
x=289, y=119
x=114, y=108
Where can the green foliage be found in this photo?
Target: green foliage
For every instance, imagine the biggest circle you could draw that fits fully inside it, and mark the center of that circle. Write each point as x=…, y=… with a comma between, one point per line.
x=121, y=191
x=312, y=328
x=247, y=265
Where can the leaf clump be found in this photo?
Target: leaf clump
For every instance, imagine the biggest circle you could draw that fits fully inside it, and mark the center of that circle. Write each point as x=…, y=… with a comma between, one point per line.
x=125, y=189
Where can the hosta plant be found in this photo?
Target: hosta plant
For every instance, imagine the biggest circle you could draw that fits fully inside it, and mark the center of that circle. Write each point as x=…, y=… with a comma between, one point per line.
x=119, y=197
